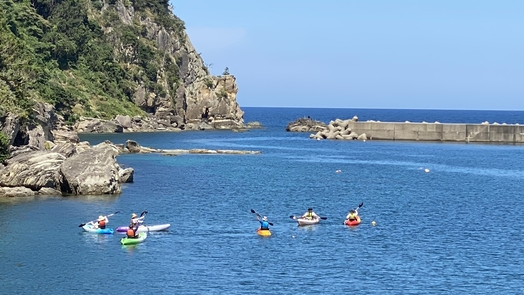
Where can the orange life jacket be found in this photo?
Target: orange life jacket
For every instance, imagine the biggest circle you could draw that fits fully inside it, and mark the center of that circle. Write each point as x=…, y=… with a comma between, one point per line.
x=130, y=233
x=102, y=224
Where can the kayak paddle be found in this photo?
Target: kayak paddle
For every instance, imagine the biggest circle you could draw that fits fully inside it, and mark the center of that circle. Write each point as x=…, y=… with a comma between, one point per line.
x=82, y=224
x=258, y=215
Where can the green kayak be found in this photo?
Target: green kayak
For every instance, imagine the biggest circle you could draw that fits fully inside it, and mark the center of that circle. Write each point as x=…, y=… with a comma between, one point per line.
x=131, y=241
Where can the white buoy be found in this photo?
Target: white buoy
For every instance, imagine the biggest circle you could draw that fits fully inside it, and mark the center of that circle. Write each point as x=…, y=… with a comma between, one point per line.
x=338, y=171
x=426, y=170
x=373, y=223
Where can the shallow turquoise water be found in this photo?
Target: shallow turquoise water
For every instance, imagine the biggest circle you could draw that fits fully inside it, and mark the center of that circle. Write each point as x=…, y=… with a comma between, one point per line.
x=456, y=229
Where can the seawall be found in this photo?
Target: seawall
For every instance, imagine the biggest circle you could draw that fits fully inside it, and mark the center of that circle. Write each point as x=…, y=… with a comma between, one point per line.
x=486, y=133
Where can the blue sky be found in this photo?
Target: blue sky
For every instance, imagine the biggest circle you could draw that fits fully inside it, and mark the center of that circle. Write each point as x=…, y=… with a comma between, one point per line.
x=402, y=54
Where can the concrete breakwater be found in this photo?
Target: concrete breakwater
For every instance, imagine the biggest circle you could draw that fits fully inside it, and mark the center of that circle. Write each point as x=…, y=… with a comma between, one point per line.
x=483, y=133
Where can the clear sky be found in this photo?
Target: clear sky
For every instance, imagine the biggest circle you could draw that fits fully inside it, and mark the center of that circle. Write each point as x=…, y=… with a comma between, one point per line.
x=405, y=54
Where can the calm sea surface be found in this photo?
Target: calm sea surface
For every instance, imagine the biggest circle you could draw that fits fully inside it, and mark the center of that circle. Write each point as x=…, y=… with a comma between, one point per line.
x=455, y=230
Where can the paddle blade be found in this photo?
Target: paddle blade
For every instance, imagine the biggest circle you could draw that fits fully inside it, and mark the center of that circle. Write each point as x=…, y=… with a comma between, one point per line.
x=361, y=204
x=253, y=211
x=323, y=218
x=81, y=225
x=270, y=223
x=292, y=217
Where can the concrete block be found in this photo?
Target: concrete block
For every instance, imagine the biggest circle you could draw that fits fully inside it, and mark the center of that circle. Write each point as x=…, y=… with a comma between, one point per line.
x=477, y=133
x=519, y=134
x=502, y=133
x=454, y=132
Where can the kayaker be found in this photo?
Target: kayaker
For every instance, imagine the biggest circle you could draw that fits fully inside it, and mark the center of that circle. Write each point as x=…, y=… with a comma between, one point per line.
x=131, y=232
x=135, y=220
x=264, y=225
x=102, y=221
x=352, y=215
x=310, y=214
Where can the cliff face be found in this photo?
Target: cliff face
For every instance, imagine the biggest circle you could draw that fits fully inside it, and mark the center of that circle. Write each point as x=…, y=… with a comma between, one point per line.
x=195, y=94
x=103, y=60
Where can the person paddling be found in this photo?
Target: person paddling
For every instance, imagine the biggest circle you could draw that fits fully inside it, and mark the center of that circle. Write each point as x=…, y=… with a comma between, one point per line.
x=264, y=224
x=310, y=214
x=132, y=232
x=352, y=215
x=135, y=220
x=102, y=221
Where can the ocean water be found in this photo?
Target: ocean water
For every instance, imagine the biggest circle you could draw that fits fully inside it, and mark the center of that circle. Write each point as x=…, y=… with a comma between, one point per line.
x=455, y=230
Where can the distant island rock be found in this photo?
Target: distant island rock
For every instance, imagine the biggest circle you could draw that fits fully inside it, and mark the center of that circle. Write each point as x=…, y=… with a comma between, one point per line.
x=305, y=125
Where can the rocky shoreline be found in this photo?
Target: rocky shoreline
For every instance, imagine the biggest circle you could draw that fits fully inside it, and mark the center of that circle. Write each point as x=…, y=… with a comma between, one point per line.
x=47, y=157
x=76, y=168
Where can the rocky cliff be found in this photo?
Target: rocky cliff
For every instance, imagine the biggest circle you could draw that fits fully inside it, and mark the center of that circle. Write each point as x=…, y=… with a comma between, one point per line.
x=96, y=66
x=105, y=66
x=194, y=94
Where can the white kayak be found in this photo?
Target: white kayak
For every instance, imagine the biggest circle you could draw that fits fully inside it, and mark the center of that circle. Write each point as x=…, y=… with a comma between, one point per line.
x=145, y=228
x=307, y=221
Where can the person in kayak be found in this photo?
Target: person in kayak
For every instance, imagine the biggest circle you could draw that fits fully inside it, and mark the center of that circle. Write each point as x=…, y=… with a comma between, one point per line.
x=264, y=225
x=310, y=214
x=352, y=215
x=102, y=221
x=131, y=232
x=135, y=220
x=133, y=225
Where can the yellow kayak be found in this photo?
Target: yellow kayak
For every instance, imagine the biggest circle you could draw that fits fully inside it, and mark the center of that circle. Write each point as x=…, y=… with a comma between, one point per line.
x=264, y=232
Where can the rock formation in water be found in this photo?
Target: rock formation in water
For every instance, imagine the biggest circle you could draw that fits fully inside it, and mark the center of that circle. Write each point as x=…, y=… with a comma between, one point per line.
x=337, y=129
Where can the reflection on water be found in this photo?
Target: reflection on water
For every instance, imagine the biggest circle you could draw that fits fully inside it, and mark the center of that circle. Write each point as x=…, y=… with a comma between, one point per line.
x=96, y=238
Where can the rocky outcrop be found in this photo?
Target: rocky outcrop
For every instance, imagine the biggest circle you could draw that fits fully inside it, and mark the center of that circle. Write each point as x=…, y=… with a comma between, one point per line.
x=33, y=170
x=33, y=132
x=16, y=192
x=93, y=125
x=65, y=168
x=305, y=125
x=94, y=171
x=132, y=146
x=198, y=96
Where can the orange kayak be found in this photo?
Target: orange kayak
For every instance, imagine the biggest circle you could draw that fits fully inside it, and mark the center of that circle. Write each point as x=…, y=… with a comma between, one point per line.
x=352, y=222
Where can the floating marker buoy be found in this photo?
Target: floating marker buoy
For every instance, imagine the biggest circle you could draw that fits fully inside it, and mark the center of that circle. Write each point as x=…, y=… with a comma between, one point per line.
x=373, y=223
x=426, y=170
x=338, y=171
x=293, y=237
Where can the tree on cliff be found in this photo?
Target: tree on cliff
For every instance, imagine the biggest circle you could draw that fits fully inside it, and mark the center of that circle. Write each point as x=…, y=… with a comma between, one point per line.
x=4, y=147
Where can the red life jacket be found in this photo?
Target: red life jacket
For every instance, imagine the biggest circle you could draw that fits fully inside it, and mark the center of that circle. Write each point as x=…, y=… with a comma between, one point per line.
x=102, y=224
x=130, y=233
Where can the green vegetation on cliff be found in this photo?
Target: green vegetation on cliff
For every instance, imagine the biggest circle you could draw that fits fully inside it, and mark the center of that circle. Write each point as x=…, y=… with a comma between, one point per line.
x=4, y=147
x=79, y=56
